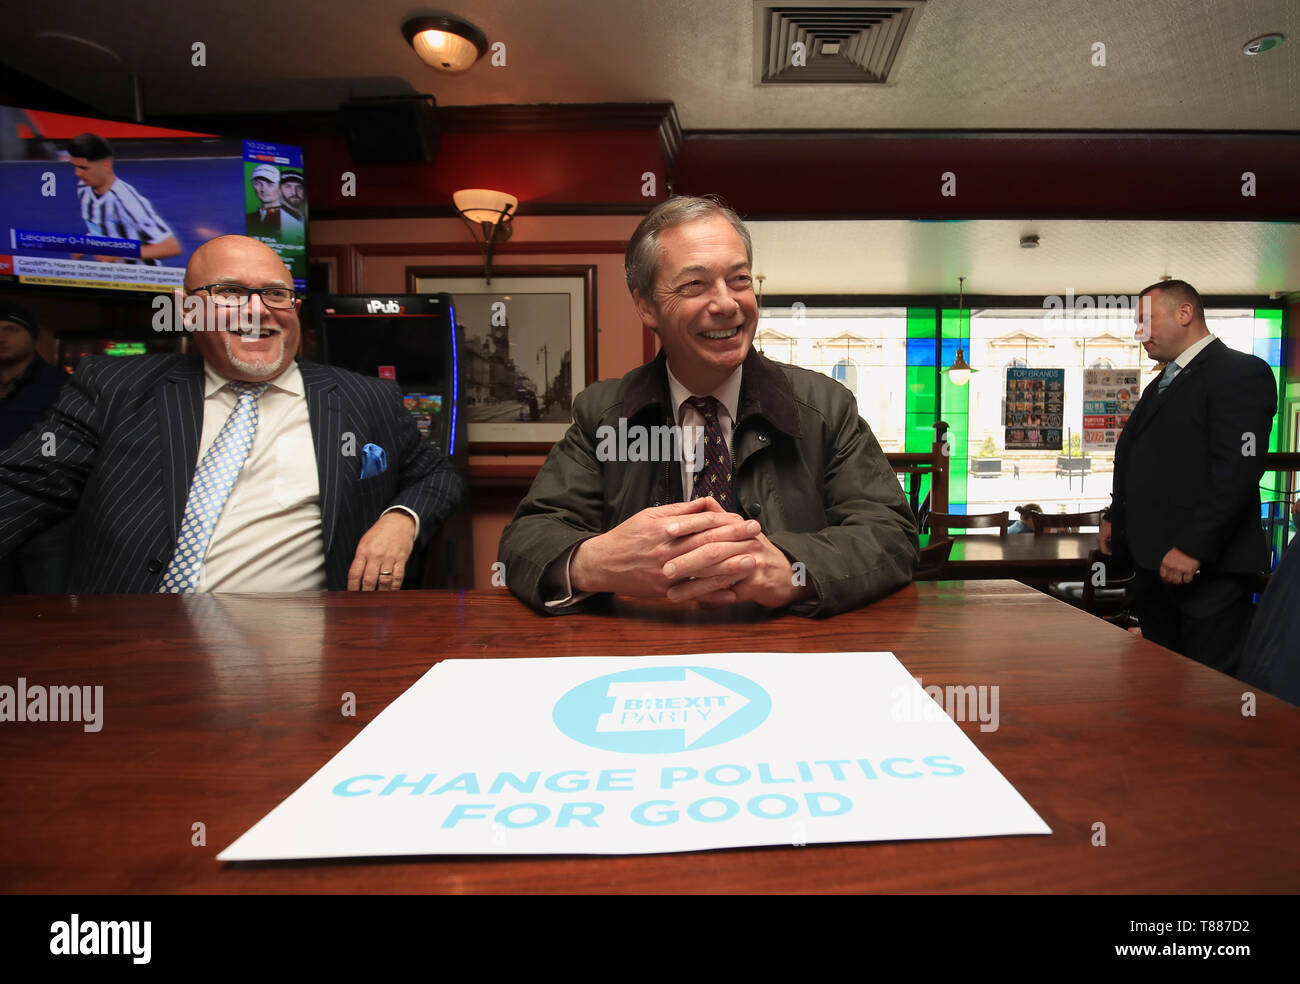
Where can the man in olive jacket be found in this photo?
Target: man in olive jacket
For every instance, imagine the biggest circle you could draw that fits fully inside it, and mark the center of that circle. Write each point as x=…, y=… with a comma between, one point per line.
x=789, y=501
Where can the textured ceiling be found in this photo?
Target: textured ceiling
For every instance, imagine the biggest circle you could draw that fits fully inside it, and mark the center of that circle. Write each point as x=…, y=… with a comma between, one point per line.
x=1170, y=64
x=987, y=64
x=1086, y=257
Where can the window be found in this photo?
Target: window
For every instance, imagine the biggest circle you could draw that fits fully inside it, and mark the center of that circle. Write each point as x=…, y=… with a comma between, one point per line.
x=863, y=348
x=1075, y=341
x=845, y=372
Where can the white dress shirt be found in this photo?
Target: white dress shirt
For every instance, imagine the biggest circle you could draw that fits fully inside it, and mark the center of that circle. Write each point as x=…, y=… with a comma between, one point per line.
x=268, y=537
x=1185, y=357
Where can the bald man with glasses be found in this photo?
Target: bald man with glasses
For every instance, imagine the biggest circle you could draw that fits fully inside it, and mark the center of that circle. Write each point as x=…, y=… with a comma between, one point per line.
x=239, y=468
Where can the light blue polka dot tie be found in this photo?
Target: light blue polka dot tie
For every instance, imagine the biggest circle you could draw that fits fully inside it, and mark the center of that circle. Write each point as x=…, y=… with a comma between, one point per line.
x=1167, y=376
x=213, y=480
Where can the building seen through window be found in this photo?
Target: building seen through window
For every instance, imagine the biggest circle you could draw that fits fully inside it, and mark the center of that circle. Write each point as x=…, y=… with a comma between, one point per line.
x=886, y=358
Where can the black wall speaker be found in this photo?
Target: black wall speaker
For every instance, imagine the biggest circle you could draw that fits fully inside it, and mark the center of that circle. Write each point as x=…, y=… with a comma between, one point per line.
x=391, y=129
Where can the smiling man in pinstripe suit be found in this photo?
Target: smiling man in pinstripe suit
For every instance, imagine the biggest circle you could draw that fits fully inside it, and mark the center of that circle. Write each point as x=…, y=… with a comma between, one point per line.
x=141, y=451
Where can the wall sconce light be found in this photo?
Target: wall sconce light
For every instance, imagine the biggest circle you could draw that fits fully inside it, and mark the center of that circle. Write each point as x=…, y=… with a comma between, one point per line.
x=488, y=215
x=446, y=43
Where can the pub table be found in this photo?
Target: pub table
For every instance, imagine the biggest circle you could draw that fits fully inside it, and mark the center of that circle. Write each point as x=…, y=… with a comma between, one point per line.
x=1033, y=559
x=216, y=707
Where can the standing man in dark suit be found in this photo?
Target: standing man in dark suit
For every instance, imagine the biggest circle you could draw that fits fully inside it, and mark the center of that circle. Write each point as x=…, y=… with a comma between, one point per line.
x=239, y=469
x=1185, y=496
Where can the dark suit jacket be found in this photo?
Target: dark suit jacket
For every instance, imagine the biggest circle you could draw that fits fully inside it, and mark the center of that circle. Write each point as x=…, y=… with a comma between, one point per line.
x=126, y=438
x=1270, y=658
x=1182, y=477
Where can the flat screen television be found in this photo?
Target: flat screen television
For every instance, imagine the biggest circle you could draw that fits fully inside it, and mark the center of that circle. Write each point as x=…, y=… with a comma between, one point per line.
x=107, y=205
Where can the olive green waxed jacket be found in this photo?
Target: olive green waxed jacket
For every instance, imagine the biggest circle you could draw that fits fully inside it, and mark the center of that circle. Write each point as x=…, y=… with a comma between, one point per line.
x=807, y=467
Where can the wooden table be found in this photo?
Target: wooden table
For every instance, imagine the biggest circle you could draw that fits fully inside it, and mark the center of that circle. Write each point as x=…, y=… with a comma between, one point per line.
x=218, y=707
x=1034, y=559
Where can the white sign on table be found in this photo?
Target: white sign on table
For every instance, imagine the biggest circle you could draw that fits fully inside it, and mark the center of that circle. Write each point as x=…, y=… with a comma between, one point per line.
x=619, y=755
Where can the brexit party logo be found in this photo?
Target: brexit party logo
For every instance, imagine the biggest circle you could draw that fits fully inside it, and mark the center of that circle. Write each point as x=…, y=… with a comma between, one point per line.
x=662, y=709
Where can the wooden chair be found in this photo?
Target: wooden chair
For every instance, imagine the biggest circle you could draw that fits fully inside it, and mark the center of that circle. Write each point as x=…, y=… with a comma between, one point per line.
x=941, y=522
x=1107, y=601
x=913, y=468
x=1055, y=523
x=934, y=560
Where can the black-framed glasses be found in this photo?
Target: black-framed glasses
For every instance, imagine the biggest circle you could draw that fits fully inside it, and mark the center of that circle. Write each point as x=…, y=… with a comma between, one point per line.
x=237, y=295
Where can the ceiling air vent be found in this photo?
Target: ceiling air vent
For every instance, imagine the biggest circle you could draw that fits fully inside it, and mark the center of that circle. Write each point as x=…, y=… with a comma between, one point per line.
x=819, y=44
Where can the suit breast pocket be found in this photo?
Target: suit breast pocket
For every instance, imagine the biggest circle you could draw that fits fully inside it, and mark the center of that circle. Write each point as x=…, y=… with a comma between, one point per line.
x=374, y=485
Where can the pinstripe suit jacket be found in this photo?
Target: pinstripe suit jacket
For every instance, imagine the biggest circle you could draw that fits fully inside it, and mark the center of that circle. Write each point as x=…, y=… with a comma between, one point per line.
x=120, y=447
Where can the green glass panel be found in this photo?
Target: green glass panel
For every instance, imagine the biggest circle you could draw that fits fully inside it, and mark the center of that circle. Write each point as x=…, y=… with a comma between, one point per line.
x=955, y=405
x=920, y=408
x=1268, y=323
x=954, y=327
x=920, y=322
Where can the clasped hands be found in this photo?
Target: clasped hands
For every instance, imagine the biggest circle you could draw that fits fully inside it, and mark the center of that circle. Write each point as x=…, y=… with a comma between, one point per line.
x=687, y=551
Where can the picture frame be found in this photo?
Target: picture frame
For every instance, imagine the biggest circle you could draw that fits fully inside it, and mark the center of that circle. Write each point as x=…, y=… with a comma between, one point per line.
x=518, y=390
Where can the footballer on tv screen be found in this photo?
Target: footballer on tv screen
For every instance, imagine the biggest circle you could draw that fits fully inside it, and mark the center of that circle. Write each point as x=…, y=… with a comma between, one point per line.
x=96, y=203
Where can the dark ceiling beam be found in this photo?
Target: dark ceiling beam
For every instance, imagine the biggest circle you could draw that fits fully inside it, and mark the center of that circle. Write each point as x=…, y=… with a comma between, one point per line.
x=898, y=174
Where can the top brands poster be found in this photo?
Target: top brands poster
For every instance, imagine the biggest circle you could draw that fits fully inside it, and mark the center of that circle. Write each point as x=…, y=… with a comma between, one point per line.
x=1035, y=408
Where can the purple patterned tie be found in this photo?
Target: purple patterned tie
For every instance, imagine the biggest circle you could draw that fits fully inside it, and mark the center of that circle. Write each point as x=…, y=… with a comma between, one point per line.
x=715, y=478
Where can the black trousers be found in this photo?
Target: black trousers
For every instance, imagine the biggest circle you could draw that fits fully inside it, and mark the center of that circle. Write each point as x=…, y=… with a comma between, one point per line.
x=1206, y=620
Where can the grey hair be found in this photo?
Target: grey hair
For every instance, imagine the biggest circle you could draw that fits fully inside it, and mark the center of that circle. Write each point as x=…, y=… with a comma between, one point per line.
x=645, y=252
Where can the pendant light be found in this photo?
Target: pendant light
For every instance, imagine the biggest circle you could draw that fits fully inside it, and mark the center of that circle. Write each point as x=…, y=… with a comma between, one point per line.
x=959, y=372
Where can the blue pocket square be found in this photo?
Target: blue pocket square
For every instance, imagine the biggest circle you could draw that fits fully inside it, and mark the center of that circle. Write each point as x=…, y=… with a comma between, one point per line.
x=373, y=461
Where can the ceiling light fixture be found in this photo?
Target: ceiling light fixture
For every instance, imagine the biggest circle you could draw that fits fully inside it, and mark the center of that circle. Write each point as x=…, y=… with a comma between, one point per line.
x=444, y=42
x=959, y=372
x=1029, y=242
x=488, y=214
x=1261, y=44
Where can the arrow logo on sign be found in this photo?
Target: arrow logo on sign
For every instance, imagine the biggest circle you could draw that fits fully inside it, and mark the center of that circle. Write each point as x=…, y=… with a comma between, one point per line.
x=694, y=705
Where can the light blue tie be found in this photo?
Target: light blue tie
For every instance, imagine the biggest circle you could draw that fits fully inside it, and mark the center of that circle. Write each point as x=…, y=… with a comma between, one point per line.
x=213, y=480
x=1168, y=375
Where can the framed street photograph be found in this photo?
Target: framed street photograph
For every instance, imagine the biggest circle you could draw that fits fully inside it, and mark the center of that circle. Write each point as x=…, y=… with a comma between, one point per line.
x=530, y=348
